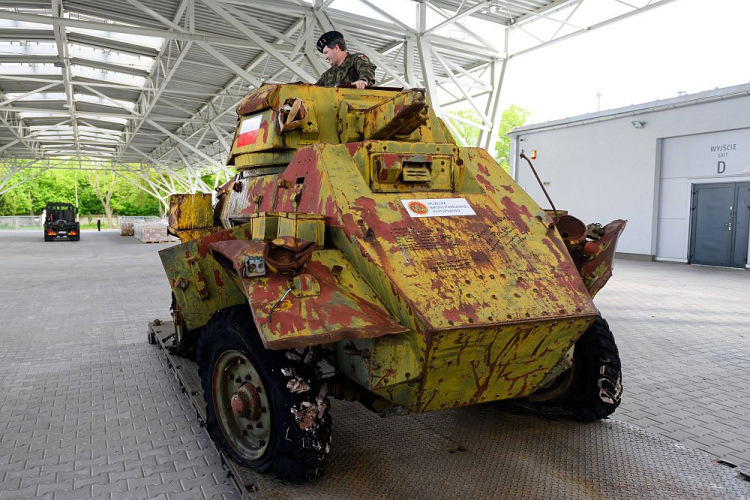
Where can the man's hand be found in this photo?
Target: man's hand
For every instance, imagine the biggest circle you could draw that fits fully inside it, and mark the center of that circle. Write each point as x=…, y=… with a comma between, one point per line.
x=360, y=84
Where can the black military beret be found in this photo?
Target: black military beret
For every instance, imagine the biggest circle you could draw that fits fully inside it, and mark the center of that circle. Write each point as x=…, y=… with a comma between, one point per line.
x=326, y=38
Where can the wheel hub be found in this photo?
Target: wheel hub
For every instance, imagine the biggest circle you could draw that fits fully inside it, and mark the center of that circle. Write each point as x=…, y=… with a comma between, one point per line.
x=241, y=404
x=246, y=402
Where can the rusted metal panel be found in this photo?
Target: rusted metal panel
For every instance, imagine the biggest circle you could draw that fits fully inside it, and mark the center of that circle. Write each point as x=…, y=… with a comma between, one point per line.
x=186, y=235
x=400, y=115
x=263, y=159
x=484, y=275
x=199, y=298
x=288, y=312
x=191, y=216
x=308, y=227
x=334, y=115
x=190, y=211
x=442, y=283
x=477, y=365
x=260, y=98
x=501, y=265
x=597, y=271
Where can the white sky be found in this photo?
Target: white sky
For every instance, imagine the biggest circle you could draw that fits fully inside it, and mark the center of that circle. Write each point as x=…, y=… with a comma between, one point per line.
x=686, y=45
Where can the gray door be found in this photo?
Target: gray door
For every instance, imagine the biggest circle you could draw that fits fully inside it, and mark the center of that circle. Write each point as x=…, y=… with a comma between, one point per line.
x=742, y=225
x=719, y=225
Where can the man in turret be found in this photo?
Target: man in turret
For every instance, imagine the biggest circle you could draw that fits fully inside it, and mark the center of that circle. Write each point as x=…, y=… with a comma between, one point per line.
x=346, y=67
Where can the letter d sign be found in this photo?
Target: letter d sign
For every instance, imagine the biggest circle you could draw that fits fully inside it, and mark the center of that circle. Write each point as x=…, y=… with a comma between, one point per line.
x=721, y=168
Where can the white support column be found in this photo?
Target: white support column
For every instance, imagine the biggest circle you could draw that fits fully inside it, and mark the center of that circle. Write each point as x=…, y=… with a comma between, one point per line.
x=409, y=61
x=488, y=140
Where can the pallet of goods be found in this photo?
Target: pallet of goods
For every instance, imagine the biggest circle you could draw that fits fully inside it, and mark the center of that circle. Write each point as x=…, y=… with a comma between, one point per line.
x=126, y=229
x=149, y=232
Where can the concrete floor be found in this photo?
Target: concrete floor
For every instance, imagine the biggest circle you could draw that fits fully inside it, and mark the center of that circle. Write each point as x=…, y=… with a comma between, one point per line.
x=89, y=409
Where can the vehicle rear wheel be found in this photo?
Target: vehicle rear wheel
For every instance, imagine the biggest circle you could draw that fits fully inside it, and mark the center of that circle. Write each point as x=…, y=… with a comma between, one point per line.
x=267, y=409
x=592, y=388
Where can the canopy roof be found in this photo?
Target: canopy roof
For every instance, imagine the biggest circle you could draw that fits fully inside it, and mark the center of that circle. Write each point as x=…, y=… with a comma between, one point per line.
x=155, y=82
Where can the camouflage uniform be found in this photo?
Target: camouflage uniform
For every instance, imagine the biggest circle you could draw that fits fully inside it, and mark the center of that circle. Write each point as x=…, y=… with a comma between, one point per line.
x=355, y=67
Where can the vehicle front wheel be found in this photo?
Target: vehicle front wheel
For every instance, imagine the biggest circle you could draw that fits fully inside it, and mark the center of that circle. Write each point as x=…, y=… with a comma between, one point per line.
x=592, y=388
x=267, y=409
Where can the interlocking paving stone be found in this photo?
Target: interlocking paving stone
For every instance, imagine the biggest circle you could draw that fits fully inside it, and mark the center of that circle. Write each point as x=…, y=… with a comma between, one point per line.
x=88, y=408
x=684, y=338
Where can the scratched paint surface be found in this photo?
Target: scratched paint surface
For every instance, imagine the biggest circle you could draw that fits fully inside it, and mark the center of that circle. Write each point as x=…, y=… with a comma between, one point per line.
x=345, y=308
x=222, y=290
x=324, y=104
x=487, y=304
x=596, y=272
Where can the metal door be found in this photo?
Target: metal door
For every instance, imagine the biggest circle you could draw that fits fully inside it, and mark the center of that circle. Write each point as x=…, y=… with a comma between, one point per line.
x=719, y=225
x=742, y=225
x=712, y=214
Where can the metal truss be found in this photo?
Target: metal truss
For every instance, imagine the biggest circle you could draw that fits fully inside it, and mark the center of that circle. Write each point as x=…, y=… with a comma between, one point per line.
x=176, y=126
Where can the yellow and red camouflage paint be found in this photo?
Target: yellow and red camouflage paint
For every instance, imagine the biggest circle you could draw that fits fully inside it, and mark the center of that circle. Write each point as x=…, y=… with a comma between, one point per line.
x=428, y=312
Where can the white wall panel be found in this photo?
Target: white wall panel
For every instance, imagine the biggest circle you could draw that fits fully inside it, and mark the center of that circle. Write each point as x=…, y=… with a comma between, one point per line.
x=606, y=169
x=671, y=241
x=673, y=200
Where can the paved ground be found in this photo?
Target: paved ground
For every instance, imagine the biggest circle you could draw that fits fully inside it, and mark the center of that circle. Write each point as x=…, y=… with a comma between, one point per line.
x=684, y=338
x=89, y=409
x=87, y=406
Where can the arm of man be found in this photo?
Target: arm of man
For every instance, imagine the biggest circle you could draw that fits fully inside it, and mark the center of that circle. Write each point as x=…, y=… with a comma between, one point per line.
x=365, y=70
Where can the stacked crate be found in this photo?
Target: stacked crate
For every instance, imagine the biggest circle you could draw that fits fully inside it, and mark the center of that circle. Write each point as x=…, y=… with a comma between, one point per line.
x=126, y=229
x=151, y=232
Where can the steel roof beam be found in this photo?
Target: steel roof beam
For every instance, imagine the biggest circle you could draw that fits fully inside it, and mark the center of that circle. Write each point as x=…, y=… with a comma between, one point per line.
x=479, y=6
x=17, y=128
x=29, y=93
x=208, y=108
x=31, y=35
x=463, y=28
x=593, y=27
x=147, y=101
x=130, y=30
x=228, y=15
x=101, y=42
x=187, y=145
x=28, y=59
x=118, y=68
x=550, y=8
x=64, y=58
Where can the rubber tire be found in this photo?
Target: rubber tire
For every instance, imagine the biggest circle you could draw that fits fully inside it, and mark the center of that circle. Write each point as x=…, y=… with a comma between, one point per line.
x=296, y=455
x=596, y=389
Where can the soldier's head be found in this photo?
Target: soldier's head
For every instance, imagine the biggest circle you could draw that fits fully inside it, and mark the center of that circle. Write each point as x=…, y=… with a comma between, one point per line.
x=333, y=47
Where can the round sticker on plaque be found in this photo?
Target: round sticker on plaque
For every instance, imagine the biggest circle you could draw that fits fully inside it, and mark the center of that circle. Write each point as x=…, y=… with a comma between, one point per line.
x=438, y=207
x=418, y=207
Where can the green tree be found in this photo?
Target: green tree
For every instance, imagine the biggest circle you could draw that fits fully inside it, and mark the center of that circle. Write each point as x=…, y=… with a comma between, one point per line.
x=514, y=116
x=60, y=185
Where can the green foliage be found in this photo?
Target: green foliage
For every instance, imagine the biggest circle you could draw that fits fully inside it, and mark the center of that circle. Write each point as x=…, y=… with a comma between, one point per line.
x=60, y=185
x=514, y=116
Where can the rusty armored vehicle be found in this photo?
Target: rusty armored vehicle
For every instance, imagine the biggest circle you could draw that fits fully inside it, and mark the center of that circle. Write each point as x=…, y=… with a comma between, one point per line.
x=359, y=253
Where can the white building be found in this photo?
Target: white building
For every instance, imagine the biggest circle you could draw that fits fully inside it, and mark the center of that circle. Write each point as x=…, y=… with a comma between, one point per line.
x=678, y=170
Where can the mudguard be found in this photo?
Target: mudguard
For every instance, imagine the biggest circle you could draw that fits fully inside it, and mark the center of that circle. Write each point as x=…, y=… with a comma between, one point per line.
x=329, y=302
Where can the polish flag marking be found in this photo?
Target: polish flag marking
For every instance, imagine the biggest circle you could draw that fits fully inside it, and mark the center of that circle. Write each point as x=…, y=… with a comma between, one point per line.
x=249, y=131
